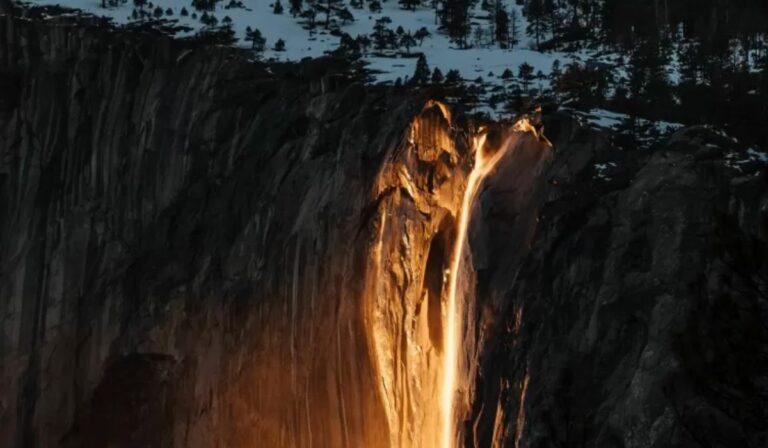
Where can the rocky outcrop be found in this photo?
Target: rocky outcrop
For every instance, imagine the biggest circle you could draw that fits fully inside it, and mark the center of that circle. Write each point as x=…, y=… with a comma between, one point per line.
x=199, y=250
x=638, y=317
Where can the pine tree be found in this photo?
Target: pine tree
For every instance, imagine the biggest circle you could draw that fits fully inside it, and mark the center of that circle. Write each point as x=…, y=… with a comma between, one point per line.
x=454, y=18
x=501, y=22
x=421, y=34
x=258, y=42
x=479, y=36
x=310, y=16
x=453, y=77
x=296, y=6
x=332, y=8
x=346, y=16
x=536, y=13
x=349, y=47
x=525, y=73
x=383, y=37
x=421, y=74
x=208, y=20
x=279, y=45
x=277, y=8
x=552, y=18
x=555, y=72
x=364, y=42
x=437, y=76
x=514, y=31
x=407, y=40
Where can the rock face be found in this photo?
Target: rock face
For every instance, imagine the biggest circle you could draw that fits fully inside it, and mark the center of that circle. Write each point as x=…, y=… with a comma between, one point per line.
x=196, y=252
x=183, y=245
x=638, y=317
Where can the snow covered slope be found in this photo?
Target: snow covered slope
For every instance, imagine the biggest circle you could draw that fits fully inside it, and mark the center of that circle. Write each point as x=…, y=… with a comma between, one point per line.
x=480, y=60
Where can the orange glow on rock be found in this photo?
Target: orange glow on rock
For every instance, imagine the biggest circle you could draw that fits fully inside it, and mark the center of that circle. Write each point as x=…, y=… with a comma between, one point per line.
x=485, y=160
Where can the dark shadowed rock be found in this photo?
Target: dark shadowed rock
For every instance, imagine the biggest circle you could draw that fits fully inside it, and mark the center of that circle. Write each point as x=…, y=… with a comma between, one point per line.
x=639, y=314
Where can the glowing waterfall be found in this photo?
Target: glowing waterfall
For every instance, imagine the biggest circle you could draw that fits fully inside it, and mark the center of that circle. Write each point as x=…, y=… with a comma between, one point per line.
x=484, y=164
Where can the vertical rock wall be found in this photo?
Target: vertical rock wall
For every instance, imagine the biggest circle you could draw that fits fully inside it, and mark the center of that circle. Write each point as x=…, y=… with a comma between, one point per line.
x=195, y=252
x=184, y=244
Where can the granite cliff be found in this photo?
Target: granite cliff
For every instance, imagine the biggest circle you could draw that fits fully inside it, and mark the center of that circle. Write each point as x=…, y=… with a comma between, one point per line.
x=198, y=250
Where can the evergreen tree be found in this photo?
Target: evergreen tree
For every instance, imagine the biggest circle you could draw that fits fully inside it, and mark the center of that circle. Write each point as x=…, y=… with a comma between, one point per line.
x=555, y=71
x=349, y=47
x=310, y=15
x=552, y=18
x=421, y=74
x=279, y=45
x=501, y=22
x=346, y=16
x=208, y=20
x=421, y=34
x=453, y=77
x=514, y=29
x=258, y=42
x=525, y=73
x=479, y=36
x=296, y=6
x=407, y=40
x=454, y=18
x=331, y=9
x=437, y=76
x=364, y=42
x=537, y=15
x=383, y=37
x=277, y=8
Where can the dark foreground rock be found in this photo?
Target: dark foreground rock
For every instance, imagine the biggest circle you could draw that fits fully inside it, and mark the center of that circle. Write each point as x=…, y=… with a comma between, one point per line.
x=639, y=317
x=195, y=251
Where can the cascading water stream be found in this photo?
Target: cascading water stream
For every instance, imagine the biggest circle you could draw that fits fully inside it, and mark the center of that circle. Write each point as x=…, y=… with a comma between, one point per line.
x=483, y=166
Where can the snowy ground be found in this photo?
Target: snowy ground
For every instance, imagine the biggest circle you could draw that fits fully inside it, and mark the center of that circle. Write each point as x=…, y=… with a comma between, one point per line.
x=300, y=43
x=482, y=60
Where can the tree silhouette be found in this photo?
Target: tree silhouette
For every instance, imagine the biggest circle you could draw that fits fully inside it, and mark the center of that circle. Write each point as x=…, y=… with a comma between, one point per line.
x=525, y=74
x=257, y=40
x=421, y=74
